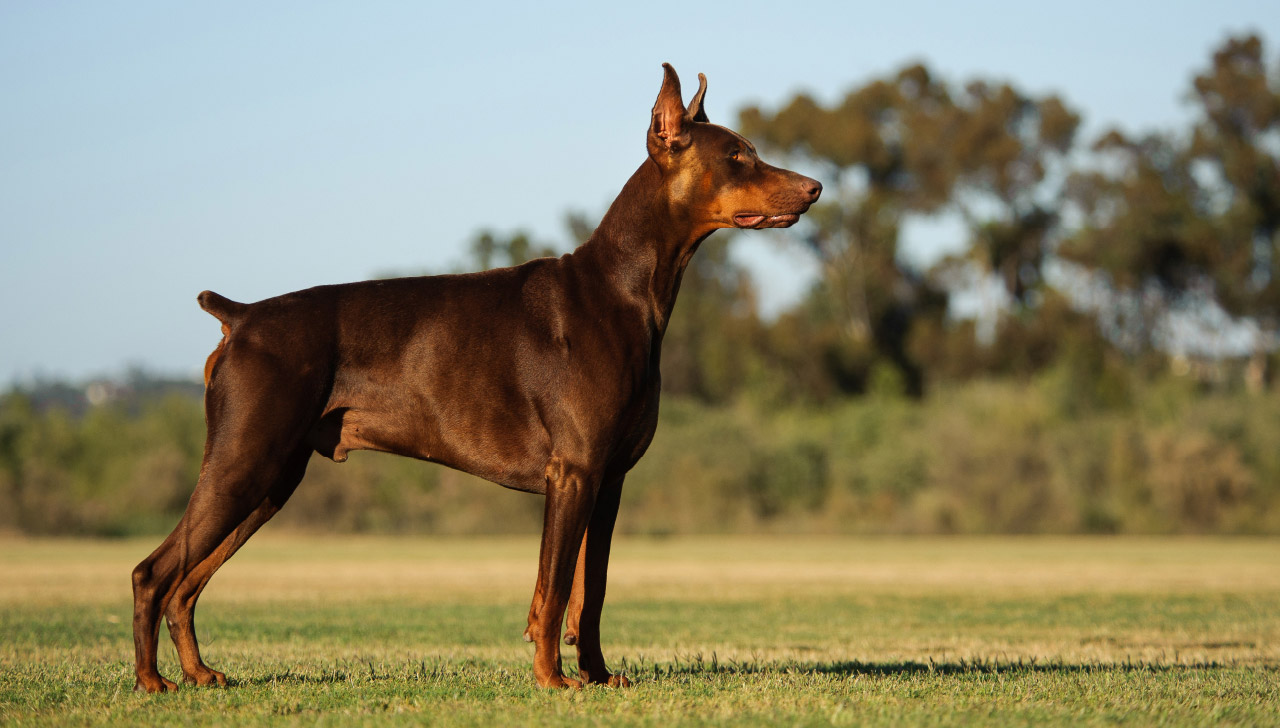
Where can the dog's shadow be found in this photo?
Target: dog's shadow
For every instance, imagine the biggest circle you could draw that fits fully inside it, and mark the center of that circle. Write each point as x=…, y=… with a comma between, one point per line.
x=710, y=669
x=696, y=667
x=422, y=671
x=289, y=677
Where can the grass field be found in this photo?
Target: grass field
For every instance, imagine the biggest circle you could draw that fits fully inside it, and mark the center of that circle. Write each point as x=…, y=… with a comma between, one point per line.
x=725, y=631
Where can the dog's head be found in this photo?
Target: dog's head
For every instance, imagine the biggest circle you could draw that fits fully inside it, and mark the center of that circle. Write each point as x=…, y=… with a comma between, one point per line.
x=717, y=171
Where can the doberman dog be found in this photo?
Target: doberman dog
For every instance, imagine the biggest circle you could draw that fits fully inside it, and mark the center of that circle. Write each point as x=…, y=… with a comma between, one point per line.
x=541, y=377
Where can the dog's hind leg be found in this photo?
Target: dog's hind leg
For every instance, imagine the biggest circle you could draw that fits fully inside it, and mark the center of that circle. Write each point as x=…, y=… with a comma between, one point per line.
x=180, y=612
x=209, y=520
x=258, y=419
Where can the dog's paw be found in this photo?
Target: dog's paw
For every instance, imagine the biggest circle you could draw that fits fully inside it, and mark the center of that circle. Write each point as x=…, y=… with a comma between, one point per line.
x=206, y=677
x=560, y=682
x=606, y=678
x=155, y=684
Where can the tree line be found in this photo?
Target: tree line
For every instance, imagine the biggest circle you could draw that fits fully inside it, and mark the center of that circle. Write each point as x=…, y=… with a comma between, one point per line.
x=1128, y=247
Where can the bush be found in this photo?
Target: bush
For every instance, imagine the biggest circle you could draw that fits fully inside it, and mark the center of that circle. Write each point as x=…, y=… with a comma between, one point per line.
x=983, y=457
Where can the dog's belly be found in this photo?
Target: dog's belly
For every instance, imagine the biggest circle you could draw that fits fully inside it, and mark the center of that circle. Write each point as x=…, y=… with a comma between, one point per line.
x=461, y=442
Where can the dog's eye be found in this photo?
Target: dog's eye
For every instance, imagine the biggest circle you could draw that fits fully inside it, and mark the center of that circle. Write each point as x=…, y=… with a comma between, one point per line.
x=736, y=155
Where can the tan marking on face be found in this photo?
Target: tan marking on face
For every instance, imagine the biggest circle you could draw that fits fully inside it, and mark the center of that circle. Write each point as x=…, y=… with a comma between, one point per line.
x=682, y=184
x=747, y=198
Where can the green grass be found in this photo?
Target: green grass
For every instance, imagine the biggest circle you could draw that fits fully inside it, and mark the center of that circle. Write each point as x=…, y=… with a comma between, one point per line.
x=341, y=631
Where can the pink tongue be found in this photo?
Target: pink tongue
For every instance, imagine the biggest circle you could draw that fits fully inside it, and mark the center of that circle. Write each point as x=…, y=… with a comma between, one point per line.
x=747, y=220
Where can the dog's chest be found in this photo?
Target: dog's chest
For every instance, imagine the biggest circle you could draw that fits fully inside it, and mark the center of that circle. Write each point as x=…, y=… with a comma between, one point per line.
x=637, y=425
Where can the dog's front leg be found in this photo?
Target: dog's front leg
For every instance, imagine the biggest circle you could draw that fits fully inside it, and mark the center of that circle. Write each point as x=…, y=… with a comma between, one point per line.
x=573, y=613
x=589, y=586
x=573, y=610
x=571, y=495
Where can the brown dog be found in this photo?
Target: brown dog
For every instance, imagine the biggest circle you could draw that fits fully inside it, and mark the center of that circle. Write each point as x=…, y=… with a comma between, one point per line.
x=542, y=378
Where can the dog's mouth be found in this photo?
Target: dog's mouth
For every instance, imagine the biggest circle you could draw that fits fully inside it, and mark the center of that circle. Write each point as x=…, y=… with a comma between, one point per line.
x=755, y=220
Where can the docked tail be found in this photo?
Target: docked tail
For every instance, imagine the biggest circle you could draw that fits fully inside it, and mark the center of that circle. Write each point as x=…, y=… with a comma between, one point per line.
x=221, y=307
x=229, y=313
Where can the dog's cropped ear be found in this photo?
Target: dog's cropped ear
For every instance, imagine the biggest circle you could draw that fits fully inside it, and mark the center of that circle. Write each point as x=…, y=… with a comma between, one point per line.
x=668, y=131
x=696, y=111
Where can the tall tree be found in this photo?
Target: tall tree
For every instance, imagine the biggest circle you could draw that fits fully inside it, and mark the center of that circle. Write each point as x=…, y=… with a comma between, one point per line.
x=1237, y=140
x=879, y=159
x=1007, y=152
x=909, y=144
x=1144, y=231
x=1183, y=222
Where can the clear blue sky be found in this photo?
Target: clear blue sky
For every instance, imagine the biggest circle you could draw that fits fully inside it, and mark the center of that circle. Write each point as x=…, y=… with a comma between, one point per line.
x=150, y=150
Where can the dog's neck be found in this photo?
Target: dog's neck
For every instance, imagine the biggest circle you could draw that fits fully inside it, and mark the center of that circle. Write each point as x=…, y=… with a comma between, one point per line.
x=643, y=245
